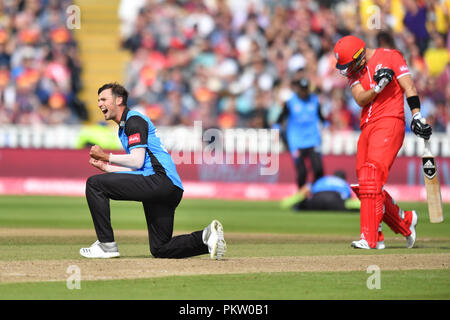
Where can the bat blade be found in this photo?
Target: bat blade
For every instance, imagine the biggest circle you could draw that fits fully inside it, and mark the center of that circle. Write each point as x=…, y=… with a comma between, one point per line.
x=432, y=186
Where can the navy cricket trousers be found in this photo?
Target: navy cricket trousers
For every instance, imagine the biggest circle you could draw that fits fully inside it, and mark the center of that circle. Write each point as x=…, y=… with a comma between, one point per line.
x=159, y=197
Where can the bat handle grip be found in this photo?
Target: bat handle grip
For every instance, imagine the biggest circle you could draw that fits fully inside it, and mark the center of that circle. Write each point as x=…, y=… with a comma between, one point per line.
x=427, y=151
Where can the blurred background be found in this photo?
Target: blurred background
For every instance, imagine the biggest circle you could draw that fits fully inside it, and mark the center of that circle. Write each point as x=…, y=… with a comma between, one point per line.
x=227, y=63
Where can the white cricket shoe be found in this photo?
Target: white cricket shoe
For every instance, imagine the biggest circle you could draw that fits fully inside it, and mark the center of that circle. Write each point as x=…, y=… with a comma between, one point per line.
x=380, y=245
x=411, y=239
x=214, y=239
x=101, y=250
x=362, y=244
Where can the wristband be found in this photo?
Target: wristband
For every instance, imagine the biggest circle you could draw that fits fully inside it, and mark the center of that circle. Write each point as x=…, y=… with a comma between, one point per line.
x=417, y=115
x=413, y=102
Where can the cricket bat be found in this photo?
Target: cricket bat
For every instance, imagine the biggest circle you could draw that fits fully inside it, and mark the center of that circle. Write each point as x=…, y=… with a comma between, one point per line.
x=432, y=186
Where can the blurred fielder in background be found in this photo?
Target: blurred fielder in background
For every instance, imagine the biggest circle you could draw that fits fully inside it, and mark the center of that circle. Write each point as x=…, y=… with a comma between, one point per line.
x=146, y=173
x=378, y=79
x=302, y=134
x=330, y=192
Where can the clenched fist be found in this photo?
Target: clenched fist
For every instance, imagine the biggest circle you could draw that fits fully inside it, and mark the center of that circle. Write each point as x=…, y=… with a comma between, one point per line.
x=97, y=153
x=420, y=127
x=98, y=164
x=382, y=77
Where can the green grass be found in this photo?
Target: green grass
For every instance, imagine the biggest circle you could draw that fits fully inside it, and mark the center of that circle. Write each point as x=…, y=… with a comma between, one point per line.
x=426, y=284
x=192, y=214
x=56, y=248
x=330, y=233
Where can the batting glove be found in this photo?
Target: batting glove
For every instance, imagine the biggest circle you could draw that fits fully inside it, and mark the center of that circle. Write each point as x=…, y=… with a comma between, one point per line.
x=419, y=127
x=382, y=77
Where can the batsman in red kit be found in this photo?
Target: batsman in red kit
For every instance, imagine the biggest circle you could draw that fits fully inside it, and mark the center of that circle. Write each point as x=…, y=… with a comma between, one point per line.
x=379, y=79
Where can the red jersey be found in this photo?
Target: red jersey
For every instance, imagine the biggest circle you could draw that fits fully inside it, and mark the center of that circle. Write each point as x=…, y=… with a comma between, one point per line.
x=390, y=101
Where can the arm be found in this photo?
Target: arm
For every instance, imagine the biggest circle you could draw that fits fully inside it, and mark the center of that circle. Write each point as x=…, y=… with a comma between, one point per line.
x=105, y=167
x=382, y=78
x=418, y=125
x=111, y=168
x=132, y=161
x=283, y=115
x=361, y=96
x=407, y=84
x=278, y=124
x=136, y=129
x=321, y=117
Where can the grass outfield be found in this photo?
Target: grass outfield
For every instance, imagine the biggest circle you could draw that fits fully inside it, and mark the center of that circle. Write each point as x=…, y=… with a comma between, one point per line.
x=52, y=229
x=418, y=284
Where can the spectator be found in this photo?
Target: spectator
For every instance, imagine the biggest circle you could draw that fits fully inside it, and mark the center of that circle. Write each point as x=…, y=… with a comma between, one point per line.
x=7, y=90
x=437, y=55
x=228, y=118
x=340, y=117
x=415, y=20
x=440, y=116
x=259, y=115
x=39, y=63
x=385, y=40
x=239, y=49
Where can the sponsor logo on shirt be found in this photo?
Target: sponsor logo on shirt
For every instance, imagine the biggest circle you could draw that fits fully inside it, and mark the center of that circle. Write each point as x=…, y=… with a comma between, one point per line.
x=404, y=68
x=134, y=138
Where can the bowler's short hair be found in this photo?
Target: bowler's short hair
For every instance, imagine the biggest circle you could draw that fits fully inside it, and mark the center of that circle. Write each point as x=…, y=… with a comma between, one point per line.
x=117, y=90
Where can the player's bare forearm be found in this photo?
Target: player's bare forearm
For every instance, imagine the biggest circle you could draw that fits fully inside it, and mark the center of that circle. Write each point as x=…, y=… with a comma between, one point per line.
x=418, y=123
x=363, y=97
x=407, y=84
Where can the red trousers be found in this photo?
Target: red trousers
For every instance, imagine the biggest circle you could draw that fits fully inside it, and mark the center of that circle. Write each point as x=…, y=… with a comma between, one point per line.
x=378, y=146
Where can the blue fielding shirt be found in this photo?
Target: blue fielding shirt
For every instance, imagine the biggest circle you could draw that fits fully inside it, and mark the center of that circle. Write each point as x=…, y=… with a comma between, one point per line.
x=302, y=129
x=137, y=131
x=332, y=183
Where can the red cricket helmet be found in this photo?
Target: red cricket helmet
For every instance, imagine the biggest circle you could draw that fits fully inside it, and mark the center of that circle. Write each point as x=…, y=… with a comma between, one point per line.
x=350, y=52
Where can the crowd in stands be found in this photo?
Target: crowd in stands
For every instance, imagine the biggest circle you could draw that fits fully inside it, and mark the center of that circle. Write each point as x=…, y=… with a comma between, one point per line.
x=39, y=64
x=230, y=63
